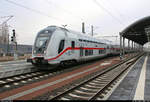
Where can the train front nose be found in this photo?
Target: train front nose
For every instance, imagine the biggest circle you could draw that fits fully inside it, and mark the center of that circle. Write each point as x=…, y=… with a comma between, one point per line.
x=39, y=50
x=40, y=60
x=41, y=44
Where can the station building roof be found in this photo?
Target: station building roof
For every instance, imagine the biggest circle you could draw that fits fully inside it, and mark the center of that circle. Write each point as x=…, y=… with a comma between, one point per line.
x=137, y=31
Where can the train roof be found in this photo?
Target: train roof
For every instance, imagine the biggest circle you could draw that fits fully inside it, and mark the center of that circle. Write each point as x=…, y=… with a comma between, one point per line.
x=108, y=41
x=82, y=36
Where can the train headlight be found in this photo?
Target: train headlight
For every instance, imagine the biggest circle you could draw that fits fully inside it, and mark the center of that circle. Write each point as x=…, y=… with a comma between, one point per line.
x=34, y=51
x=44, y=52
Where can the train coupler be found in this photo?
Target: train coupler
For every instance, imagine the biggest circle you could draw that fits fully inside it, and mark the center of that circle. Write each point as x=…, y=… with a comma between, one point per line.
x=29, y=60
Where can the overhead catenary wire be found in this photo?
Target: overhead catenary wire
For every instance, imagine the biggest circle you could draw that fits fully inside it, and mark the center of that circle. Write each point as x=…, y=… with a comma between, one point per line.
x=33, y=10
x=121, y=15
x=67, y=11
x=108, y=12
x=2, y=17
x=9, y=17
x=36, y=11
x=117, y=11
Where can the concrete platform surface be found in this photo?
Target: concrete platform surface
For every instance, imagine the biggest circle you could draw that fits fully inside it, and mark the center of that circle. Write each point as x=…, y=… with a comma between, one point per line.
x=136, y=85
x=11, y=68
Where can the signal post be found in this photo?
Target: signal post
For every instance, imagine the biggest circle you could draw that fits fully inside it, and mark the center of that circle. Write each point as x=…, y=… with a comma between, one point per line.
x=14, y=42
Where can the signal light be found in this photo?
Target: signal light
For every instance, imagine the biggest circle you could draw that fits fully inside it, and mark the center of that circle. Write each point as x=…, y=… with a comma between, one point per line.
x=13, y=32
x=12, y=38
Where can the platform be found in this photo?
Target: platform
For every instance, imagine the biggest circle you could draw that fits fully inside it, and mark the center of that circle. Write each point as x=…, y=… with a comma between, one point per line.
x=11, y=68
x=136, y=85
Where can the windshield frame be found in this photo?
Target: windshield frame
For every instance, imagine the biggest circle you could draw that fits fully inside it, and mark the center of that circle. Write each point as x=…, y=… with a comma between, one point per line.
x=41, y=40
x=43, y=33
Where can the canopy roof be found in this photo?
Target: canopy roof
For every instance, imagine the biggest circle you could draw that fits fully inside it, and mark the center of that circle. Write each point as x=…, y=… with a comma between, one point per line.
x=136, y=31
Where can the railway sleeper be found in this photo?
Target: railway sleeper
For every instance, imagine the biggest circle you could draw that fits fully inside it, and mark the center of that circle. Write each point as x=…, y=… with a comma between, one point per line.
x=78, y=96
x=92, y=87
x=81, y=94
x=84, y=92
x=85, y=88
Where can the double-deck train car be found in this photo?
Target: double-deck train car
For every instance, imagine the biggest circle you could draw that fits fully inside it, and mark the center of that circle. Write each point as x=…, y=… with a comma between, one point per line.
x=56, y=45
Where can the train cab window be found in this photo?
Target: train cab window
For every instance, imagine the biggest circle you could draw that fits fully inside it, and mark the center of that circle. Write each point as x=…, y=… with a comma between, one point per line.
x=73, y=44
x=61, y=46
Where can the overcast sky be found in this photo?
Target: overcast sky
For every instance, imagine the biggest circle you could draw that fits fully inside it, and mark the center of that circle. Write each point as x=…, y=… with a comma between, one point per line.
x=109, y=17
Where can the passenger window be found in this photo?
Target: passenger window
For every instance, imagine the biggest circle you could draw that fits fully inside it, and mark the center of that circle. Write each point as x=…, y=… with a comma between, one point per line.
x=73, y=44
x=81, y=51
x=86, y=52
x=61, y=46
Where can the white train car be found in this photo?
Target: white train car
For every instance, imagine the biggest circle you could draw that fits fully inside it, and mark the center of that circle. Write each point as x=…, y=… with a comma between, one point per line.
x=55, y=45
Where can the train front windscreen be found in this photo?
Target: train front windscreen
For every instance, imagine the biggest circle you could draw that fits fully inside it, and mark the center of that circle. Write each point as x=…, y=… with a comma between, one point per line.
x=42, y=41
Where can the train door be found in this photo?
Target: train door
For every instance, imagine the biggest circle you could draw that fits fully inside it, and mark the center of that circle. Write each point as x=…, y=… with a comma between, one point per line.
x=73, y=46
x=81, y=50
x=73, y=51
x=108, y=49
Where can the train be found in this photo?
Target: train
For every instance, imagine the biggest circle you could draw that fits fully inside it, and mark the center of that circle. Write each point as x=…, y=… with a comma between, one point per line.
x=56, y=45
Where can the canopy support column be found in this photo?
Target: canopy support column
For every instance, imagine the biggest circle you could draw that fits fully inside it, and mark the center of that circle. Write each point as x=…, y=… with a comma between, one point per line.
x=120, y=46
x=128, y=44
x=132, y=45
x=123, y=46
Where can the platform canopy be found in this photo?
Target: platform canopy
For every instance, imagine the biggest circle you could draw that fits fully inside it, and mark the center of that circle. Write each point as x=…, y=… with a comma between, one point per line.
x=138, y=31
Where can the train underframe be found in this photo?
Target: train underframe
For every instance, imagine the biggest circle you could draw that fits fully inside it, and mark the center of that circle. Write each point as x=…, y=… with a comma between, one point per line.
x=40, y=61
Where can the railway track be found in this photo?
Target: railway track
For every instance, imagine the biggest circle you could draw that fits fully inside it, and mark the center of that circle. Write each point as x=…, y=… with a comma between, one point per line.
x=15, y=80
x=9, y=83
x=96, y=86
x=33, y=76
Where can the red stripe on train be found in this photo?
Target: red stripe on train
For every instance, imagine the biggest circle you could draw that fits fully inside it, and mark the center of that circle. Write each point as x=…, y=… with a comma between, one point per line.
x=77, y=48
